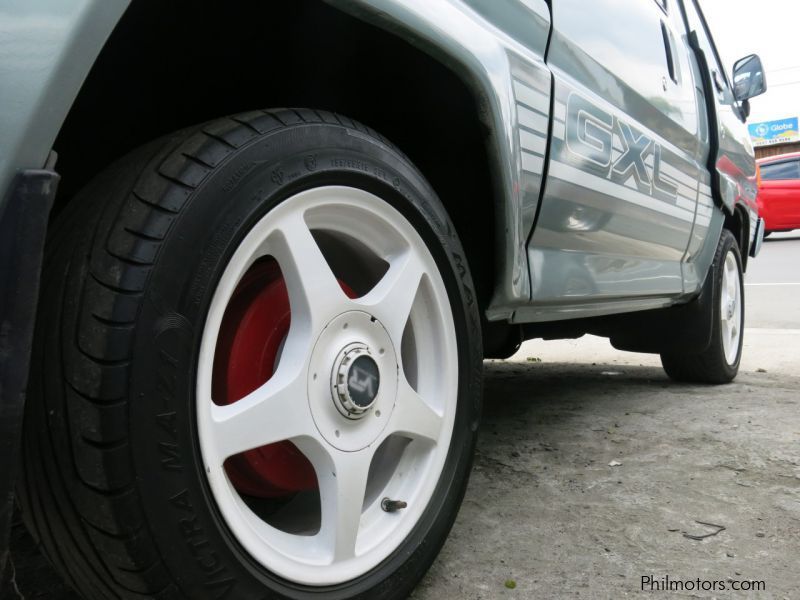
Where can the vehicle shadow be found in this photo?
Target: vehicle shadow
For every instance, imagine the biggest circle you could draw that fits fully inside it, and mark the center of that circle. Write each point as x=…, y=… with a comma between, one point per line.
x=586, y=408
x=772, y=239
x=540, y=390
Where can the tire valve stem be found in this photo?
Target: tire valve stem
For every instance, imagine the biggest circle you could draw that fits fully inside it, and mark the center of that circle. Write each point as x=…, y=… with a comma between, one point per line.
x=390, y=506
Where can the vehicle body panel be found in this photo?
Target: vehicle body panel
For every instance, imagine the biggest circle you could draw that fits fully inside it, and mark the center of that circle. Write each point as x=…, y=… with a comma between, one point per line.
x=642, y=245
x=732, y=163
x=639, y=243
x=502, y=68
x=622, y=190
x=47, y=48
x=779, y=193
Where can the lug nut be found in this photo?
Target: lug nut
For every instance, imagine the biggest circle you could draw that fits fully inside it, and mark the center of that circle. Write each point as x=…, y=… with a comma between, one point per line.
x=389, y=505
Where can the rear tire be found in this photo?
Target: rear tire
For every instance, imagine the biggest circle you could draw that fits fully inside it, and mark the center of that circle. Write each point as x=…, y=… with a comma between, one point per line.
x=719, y=362
x=121, y=489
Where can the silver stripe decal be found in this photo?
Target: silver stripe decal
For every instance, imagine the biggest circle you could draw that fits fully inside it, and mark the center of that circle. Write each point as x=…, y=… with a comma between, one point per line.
x=531, y=120
x=575, y=176
x=687, y=204
x=559, y=131
x=532, y=163
x=706, y=189
x=531, y=97
x=560, y=112
x=531, y=141
x=631, y=184
x=689, y=192
x=703, y=221
x=676, y=173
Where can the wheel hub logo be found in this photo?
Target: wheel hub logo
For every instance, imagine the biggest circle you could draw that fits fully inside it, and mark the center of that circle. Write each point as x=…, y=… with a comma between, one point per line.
x=363, y=381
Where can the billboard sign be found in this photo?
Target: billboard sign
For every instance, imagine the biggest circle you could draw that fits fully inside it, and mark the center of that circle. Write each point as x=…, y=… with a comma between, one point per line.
x=775, y=132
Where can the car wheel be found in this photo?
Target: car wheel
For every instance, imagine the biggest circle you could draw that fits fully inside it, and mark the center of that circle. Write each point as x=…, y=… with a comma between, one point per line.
x=257, y=369
x=719, y=362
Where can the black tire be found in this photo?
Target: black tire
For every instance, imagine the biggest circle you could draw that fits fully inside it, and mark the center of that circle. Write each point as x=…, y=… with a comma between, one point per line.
x=712, y=366
x=110, y=439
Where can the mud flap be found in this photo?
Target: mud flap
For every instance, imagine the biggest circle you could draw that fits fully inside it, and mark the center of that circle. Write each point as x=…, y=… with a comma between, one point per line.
x=685, y=328
x=23, y=226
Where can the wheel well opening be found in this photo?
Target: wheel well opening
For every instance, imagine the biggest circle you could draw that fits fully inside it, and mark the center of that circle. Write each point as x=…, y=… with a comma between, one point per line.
x=737, y=224
x=171, y=65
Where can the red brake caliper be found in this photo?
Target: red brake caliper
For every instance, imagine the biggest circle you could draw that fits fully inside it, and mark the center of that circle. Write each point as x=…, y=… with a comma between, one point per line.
x=251, y=338
x=253, y=330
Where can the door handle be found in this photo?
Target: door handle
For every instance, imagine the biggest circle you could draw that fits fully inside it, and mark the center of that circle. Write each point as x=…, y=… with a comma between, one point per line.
x=668, y=49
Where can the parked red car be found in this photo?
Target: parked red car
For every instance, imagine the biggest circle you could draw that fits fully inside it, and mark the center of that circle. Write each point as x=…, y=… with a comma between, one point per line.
x=779, y=192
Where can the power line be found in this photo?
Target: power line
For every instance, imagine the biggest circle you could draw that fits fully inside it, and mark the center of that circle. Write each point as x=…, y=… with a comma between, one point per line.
x=783, y=69
x=785, y=83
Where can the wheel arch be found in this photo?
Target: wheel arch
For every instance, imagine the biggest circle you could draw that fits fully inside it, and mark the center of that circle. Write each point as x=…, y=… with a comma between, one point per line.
x=738, y=223
x=191, y=65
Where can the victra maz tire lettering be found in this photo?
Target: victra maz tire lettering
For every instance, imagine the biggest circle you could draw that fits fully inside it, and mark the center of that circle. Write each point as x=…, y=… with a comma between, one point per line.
x=166, y=421
x=198, y=544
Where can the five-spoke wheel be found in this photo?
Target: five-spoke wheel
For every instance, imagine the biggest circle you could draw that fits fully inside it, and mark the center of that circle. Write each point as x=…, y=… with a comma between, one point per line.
x=363, y=385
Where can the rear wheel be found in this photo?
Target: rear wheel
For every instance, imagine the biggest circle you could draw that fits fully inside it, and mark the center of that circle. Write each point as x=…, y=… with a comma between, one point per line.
x=719, y=362
x=257, y=369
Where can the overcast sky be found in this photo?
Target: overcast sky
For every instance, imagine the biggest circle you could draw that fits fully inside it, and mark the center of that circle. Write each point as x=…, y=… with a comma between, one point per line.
x=768, y=28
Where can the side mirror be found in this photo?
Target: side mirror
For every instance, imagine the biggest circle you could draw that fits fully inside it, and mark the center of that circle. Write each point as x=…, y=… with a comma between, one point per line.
x=749, y=80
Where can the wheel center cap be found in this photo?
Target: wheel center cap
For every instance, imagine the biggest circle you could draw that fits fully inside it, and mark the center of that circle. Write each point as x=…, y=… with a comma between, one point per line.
x=355, y=381
x=352, y=380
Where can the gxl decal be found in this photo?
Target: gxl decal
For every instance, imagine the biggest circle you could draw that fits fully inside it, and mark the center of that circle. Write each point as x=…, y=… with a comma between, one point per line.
x=590, y=135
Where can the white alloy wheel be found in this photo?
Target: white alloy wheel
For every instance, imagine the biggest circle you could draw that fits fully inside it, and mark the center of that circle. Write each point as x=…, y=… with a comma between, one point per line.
x=390, y=442
x=731, y=308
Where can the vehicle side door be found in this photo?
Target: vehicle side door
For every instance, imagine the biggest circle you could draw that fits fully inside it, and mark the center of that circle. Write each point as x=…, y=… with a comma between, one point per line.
x=732, y=163
x=621, y=192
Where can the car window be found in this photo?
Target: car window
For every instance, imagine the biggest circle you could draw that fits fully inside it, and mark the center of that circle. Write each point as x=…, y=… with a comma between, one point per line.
x=782, y=170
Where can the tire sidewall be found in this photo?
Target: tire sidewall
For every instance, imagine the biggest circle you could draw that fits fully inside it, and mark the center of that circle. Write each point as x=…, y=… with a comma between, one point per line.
x=201, y=553
x=727, y=245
